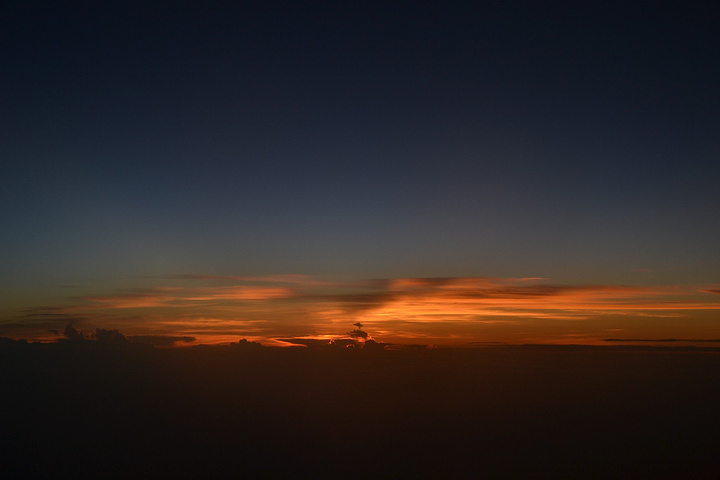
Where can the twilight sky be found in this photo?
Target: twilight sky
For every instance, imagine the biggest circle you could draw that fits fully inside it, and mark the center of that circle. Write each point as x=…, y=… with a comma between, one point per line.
x=483, y=172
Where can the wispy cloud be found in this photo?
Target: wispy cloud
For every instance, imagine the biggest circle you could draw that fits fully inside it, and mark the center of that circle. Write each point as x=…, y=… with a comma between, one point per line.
x=240, y=293
x=289, y=279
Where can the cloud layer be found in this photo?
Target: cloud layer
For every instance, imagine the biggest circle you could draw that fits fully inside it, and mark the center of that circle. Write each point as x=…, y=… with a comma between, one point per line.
x=221, y=308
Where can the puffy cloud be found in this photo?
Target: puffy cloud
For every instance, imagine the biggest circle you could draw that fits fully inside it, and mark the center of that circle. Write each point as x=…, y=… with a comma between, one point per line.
x=72, y=334
x=109, y=337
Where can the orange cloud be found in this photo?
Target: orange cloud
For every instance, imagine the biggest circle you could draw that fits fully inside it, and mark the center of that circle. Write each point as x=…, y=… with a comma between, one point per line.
x=129, y=301
x=241, y=293
x=445, y=304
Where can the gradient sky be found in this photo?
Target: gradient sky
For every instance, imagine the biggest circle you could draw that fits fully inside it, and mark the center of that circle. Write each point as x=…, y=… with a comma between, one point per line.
x=497, y=172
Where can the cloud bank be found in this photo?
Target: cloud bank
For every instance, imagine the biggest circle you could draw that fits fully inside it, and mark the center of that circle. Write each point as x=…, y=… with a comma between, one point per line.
x=216, y=309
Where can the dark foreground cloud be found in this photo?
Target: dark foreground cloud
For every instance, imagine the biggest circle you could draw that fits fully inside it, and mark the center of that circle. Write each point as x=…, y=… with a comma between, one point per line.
x=662, y=340
x=307, y=342
x=71, y=333
x=159, y=340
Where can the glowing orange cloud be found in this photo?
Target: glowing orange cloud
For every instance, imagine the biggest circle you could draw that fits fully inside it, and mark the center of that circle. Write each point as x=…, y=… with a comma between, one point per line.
x=241, y=293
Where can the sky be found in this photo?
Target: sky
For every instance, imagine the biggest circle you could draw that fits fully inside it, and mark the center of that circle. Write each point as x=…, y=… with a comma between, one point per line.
x=445, y=173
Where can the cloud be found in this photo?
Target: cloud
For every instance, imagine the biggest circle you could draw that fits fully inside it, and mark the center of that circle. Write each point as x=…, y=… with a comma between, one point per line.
x=163, y=297
x=662, y=340
x=305, y=342
x=160, y=340
x=356, y=301
x=72, y=334
x=290, y=279
x=141, y=300
x=241, y=293
x=109, y=337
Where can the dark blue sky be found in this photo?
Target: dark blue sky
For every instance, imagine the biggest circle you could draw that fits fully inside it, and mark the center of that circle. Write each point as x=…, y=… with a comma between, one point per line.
x=574, y=142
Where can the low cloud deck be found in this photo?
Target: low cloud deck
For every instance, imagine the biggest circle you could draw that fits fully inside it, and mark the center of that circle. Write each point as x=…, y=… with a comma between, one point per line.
x=249, y=411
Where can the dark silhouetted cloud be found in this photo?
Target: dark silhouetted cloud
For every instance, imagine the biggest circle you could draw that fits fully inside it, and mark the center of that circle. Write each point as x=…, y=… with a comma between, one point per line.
x=662, y=340
x=109, y=337
x=307, y=342
x=159, y=340
x=72, y=334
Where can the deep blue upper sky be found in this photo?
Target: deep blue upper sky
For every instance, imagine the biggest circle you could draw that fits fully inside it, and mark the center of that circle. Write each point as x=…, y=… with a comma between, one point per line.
x=576, y=142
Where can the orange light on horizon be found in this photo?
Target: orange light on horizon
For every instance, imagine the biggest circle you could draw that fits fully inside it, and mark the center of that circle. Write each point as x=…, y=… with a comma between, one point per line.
x=295, y=306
